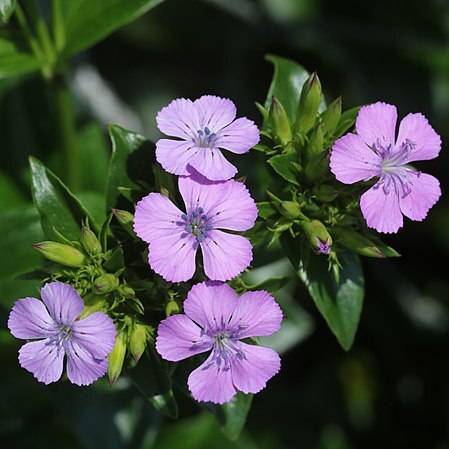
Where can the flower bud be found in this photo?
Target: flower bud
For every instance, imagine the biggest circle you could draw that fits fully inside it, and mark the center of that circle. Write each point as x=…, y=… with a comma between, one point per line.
x=317, y=167
x=279, y=122
x=358, y=243
x=317, y=235
x=60, y=253
x=172, y=308
x=331, y=116
x=309, y=103
x=117, y=357
x=290, y=209
x=316, y=142
x=105, y=283
x=325, y=193
x=126, y=220
x=138, y=340
x=90, y=241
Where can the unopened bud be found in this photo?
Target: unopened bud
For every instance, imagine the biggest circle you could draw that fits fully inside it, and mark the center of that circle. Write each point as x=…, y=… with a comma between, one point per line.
x=325, y=193
x=105, y=283
x=138, y=341
x=331, y=116
x=117, y=357
x=128, y=292
x=358, y=243
x=126, y=220
x=60, y=253
x=316, y=142
x=317, y=167
x=172, y=308
x=290, y=209
x=309, y=103
x=279, y=122
x=90, y=241
x=317, y=235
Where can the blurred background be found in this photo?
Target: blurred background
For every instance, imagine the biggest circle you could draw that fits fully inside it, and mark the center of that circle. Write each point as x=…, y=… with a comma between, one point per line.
x=391, y=390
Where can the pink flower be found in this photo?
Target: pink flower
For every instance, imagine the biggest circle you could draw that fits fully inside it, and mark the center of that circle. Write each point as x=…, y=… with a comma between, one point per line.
x=375, y=152
x=174, y=236
x=204, y=126
x=217, y=319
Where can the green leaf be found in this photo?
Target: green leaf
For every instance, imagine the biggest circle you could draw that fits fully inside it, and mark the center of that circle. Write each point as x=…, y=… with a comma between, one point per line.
x=86, y=22
x=271, y=285
x=283, y=165
x=58, y=208
x=339, y=303
x=6, y=9
x=347, y=121
x=266, y=210
x=10, y=195
x=231, y=416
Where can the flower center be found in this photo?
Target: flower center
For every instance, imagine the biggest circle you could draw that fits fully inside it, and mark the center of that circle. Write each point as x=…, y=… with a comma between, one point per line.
x=206, y=138
x=195, y=223
x=226, y=347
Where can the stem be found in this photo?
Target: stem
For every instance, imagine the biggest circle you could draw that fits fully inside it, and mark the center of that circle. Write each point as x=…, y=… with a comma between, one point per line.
x=57, y=25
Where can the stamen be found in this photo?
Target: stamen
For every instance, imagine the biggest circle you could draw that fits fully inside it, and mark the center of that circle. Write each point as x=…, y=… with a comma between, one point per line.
x=196, y=223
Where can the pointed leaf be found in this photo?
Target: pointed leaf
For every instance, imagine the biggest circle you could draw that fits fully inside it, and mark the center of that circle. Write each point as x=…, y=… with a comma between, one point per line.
x=283, y=165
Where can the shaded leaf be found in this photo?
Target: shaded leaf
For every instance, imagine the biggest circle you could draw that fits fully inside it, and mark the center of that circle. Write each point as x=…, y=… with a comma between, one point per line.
x=7, y=7
x=283, y=165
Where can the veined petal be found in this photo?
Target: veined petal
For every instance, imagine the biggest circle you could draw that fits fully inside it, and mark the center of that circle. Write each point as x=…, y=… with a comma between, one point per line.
x=416, y=129
x=179, y=119
x=227, y=204
x=178, y=338
x=381, y=210
x=425, y=192
x=377, y=121
x=251, y=372
x=175, y=155
x=156, y=217
x=215, y=112
x=353, y=161
x=62, y=301
x=256, y=314
x=96, y=334
x=211, y=383
x=225, y=255
x=82, y=367
x=29, y=319
x=44, y=359
x=211, y=304
x=211, y=163
x=173, y=256
x=239, y=136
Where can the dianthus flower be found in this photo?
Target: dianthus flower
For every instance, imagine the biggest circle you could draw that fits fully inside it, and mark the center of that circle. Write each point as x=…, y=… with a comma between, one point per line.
x=204, y=126
x=375, y=152
x=217, y=319
x=54, y=326
x=175, y=236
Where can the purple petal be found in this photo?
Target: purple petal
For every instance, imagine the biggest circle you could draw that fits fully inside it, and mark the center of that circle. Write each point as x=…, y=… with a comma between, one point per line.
x=179, y=119
x=211, y=163
x=62, y=301
x=210, y=383
x=44, y=359
x=225, y=255
x=256, y=314
x=251, y=372
x=210, y=304
x=377, y=121
x=353, y=161
x=239, y=137
x=82, y=367
x=175, y=155
x=381, y=210
x=416, y=129
x=227, y=204
x=178, y=338
x=30, y=319
x=215, y=112
x=96, y=334
x=156, y=217
x=425, y=192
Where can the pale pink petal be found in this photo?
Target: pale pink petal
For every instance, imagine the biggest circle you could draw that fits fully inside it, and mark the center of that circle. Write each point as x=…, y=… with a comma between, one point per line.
x=425, y=192
x=256, y=314
x=173, y=256
x=96, y=334
x=82, y=367
x=215, y=112
x=178, y=338
x=30, y=319
x=239, y=137
x=225, y=255
x=416, y=129
x=211, y=163
x=44, y=359
x=62, y=301
x=377, y=121
x=175, y=155
x=353, y=161
x=381, y=210
x=156, y=217
x=251, y=372
x=211, y=383
x=227, y=204
x=179, y=119
x=210, y=304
